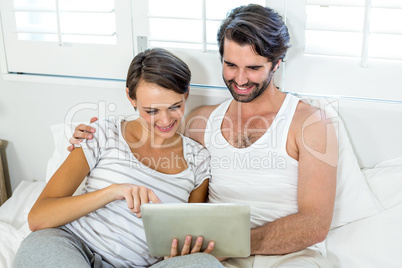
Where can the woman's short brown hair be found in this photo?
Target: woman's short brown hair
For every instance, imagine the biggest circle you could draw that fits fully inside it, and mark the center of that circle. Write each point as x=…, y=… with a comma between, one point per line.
x=158, y=66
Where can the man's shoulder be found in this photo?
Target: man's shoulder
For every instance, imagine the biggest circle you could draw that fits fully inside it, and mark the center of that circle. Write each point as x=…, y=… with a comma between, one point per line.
x=196, y=122
x=203, y=111
x=199, y=117
x=305, y=113
x=310, y=123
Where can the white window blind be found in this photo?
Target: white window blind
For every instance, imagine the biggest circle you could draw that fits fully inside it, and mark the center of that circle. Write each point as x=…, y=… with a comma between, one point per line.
x=90, y=38
x=385, y=40
x=64, y=21
x=188, y=29
x=189, y=24
x=333, y=39
x=354, y=28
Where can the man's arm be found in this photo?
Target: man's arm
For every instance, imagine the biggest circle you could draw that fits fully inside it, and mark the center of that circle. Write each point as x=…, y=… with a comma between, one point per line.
x=196, y=122
x=82, y=132
x=316, y=144
x=194, y=127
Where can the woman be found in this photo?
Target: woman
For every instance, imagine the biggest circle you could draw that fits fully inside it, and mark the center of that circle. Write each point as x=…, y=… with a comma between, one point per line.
x=127, y=163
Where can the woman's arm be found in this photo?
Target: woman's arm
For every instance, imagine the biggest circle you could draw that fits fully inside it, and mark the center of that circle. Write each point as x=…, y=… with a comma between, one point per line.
x=56, y=206
x=200, y=194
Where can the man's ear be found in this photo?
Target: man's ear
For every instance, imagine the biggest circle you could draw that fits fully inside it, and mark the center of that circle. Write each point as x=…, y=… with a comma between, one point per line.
x=187, y=93
x=277, y=65
x=133, y=102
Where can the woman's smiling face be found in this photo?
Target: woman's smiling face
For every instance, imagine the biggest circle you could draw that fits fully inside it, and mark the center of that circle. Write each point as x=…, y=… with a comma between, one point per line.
x=162, y=109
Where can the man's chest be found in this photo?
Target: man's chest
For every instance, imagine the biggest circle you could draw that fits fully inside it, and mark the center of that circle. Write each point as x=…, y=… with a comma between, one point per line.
x=243, y=133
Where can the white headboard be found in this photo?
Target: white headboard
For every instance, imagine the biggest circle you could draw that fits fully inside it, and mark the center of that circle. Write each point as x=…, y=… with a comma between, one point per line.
x=374, y=127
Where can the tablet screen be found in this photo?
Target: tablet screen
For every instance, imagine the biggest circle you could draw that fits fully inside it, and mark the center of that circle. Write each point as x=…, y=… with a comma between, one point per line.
x=228, y=225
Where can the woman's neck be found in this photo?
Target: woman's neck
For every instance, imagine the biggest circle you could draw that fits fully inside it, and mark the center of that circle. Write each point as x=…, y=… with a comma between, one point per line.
x=138, y=134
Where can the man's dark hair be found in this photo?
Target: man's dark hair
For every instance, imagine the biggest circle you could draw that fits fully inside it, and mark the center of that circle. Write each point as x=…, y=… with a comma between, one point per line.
x=158, y=66
x=258, y=26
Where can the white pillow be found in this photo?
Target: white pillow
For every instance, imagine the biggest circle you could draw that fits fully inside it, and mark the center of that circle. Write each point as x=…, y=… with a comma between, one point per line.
x=385, y=181
x=370, y=243
x=60, y=152
x=61, y=134
x=354, y=199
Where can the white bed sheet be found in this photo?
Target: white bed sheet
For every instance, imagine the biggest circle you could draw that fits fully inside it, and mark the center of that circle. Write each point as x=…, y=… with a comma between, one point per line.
x=371, y=243
x=13, y=219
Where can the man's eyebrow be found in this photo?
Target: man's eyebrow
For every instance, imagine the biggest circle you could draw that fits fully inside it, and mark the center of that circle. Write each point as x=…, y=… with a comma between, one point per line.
x=174, y=104
x=254, y=66
x=249, y=66
x=228, y=62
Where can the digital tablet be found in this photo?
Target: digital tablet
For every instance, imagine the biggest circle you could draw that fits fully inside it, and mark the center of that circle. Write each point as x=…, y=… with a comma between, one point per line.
x=228, y=225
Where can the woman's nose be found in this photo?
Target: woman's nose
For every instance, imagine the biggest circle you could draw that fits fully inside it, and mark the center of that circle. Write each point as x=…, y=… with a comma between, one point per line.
x=164, y=118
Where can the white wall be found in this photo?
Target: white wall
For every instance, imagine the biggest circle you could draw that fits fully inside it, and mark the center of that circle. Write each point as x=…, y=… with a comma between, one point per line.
x=27, y=110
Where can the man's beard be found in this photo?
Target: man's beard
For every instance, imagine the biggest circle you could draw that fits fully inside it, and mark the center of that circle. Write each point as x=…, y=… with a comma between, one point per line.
x=255, y=93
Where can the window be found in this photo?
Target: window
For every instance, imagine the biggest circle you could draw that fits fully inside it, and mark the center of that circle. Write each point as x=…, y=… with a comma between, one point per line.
x=97, y=39
x=345, y=48
x=189, y=29
x=339, y=47
x=354, y=28
x=66, y=21
x=91, y=38
x=196, y=22
x=334, y=29
x=385, y=29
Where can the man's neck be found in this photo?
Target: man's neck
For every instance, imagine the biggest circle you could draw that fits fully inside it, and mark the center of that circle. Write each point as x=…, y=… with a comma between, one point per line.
x=245, y=123
x=267, y=103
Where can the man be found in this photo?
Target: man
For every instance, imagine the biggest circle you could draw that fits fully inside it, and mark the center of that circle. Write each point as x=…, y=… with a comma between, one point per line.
x=261, y=143
x=292, y=197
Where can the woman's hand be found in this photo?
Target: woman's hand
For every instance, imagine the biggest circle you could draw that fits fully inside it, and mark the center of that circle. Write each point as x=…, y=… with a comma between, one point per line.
x=135, y=195
x=187, y=245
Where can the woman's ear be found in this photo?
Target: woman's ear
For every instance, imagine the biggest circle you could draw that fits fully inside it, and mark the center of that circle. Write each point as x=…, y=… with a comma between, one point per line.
x=133, y=102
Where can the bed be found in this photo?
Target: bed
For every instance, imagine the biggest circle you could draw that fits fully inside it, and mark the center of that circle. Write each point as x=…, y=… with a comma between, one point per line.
x=366, y=229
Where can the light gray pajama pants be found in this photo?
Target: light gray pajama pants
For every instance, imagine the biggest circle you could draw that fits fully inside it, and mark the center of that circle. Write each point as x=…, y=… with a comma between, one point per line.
x=60, y=248
x=56, y=247
x=196, y=260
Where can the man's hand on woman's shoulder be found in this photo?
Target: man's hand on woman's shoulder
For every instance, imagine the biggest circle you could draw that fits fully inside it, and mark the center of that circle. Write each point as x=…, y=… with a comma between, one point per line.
x=82, y=132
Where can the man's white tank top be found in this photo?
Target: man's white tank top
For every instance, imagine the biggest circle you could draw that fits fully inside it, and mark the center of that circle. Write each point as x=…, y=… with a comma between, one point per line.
x=262, y=175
